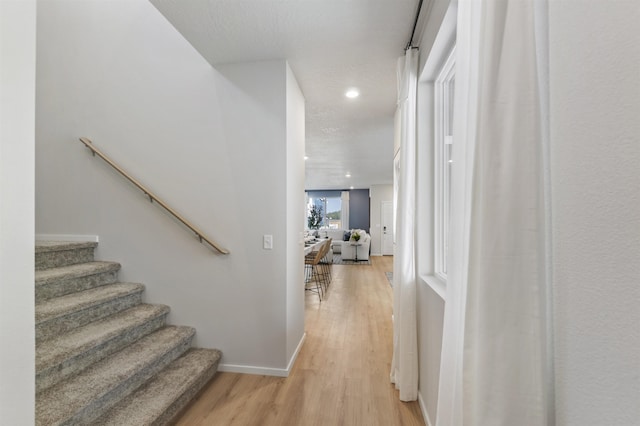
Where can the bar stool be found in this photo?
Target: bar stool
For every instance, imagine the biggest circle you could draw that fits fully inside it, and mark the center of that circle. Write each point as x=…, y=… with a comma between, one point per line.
x=313, y=272
x=327, y=263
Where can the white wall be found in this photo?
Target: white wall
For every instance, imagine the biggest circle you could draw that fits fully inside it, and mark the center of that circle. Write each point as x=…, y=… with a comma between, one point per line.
x=379, y=193
x=295, y=218
x=595, y=140
x=17, y=117
x=212, y=143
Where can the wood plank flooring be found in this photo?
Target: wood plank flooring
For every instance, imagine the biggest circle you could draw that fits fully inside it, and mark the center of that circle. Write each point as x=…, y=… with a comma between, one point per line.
x=341, y=376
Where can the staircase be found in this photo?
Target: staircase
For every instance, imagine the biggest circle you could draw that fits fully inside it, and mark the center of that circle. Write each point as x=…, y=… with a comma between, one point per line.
x=102, y=356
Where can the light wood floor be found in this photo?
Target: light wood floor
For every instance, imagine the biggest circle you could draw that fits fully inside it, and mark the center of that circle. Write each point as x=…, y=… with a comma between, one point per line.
x=341, y=376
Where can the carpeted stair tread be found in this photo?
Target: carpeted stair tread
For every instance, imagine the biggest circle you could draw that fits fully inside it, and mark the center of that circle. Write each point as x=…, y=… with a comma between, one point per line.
x=63, y=313
x=73, y=351
x=47, y=246
x=60, y=306
x=84, y=397
x=74, y=271
x=91, y=335
x=159, y=400
x=51, y=254
x=63, y=280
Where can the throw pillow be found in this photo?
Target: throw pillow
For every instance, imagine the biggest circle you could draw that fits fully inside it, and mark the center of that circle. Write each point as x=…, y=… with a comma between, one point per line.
x=346, y=236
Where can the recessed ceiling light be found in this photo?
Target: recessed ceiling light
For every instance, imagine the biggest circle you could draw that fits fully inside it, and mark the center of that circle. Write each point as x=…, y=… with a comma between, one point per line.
x=306, y=158
x=351, y=187
x=347, y=175
x=352, y=93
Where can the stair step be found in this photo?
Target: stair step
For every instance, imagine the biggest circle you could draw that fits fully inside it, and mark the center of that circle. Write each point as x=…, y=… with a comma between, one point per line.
x=85, y=397
x=63, y=280
x=64, y=313
x=159, y=400
x=72, y=352
x=52, y=254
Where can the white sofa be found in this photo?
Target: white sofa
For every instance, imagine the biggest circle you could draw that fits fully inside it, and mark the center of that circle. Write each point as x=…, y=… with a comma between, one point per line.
x=336, y=234
x=338, y=245
x=360, y=251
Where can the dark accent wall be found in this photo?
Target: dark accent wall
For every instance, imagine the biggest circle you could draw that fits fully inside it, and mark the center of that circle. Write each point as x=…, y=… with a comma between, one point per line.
x=359, y=209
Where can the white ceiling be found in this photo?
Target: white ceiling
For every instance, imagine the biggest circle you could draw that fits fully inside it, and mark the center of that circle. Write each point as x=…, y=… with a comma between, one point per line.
x=331, y=45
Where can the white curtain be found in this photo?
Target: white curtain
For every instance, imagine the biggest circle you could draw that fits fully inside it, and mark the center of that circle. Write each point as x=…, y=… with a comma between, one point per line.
x=496, y=366
x=404, y=365
x=344, y=215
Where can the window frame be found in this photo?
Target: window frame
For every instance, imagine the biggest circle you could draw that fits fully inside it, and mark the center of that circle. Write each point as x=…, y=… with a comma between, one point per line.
x=444, y=86
x=442, y=48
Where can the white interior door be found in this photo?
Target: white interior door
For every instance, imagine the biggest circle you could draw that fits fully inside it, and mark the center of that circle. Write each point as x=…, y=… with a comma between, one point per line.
x=387, y=227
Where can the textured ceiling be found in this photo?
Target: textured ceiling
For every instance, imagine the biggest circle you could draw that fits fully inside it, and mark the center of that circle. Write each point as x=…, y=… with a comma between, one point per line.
x=331, y=45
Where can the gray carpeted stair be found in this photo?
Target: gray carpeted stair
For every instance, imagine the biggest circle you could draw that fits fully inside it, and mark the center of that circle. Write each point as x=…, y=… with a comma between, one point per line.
x=72, y=278
x=60, y=314
x=164, y=398
x=102, y=356
x=51, y=254
x=73, y=351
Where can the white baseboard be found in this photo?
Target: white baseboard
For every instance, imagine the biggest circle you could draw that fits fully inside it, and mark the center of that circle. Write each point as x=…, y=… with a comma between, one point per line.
x=295, y=353
x=264, y=371
x=423, y=408
x=66, y=237
x=251, y=369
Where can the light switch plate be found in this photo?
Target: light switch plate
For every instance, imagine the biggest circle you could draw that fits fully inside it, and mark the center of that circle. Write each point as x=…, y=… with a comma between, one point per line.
x=267, y=242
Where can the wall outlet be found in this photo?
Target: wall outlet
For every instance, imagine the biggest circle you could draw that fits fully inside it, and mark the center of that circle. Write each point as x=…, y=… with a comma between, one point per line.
x=267, y=242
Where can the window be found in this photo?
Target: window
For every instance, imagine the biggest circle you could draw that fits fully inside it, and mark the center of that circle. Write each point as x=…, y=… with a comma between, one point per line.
x=324, y=212
x=435, y=169
x=334, y=213
x=443, y=126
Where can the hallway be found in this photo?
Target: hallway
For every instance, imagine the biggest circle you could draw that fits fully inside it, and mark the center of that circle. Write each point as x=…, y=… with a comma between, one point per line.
x=341, y=376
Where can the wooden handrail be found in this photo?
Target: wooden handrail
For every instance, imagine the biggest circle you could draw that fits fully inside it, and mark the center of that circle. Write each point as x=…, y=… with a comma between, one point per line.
x=152, y=196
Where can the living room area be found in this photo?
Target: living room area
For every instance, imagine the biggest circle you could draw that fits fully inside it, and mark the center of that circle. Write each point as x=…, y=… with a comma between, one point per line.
x=359, y=222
